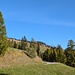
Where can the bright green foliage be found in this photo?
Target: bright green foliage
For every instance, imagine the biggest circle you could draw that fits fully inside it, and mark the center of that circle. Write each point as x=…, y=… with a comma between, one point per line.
x=3, y=38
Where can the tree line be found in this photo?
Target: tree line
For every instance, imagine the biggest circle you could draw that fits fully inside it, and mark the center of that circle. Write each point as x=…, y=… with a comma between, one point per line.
x=32, y=48
x=51, y=54
x=58, y=54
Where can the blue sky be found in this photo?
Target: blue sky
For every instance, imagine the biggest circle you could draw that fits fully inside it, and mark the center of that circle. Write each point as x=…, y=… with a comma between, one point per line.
x=49, y=21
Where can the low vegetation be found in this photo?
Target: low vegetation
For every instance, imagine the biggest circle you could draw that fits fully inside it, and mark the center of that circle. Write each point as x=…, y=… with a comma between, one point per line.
x=44, y=69
x=31, y=53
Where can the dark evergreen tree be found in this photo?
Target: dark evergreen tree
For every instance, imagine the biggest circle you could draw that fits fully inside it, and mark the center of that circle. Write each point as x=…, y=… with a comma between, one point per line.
x=3, y=37
x=60, y=54
x=70, y=54
x=38, y=49
x=71, y=44
x=46, y=55
x=14, y=44
x=19, y=45
x=54, y=55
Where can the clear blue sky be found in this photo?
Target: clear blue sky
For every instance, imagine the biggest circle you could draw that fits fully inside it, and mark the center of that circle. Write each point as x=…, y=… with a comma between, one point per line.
x=49, y=21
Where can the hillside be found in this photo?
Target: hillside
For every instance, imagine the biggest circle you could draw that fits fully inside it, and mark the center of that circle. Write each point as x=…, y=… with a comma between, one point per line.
x=16, y=62
x=17, y=57
x=43, y=46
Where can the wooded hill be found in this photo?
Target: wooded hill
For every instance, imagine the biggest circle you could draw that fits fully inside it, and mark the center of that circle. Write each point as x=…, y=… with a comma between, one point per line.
x=43, y=46
x=45, y=52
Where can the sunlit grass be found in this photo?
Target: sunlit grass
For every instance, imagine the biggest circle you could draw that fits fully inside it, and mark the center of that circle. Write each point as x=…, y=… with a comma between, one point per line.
x=52, y=69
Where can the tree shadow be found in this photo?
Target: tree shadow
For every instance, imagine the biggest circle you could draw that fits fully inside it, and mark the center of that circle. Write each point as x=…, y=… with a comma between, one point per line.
x=3, y=74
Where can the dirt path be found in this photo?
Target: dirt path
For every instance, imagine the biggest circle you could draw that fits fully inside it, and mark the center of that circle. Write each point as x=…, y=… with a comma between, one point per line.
x=52, y=63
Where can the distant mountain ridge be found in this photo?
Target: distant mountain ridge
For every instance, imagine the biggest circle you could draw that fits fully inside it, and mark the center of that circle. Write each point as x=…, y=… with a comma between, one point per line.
x=18, y=40
x=43, y=46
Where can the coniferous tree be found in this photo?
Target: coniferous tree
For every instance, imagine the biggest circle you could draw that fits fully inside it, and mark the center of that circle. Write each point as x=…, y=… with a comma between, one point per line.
x=11, y=43
x=33, y=44
x=3, y=37
x=16, y=44
x=70, y=53
x=51, y=56
x=19, y=45
x=71, y=44
x=46, y=55
x=54, y=55
x=38, y=49
x=24, y=43
x=60, y=54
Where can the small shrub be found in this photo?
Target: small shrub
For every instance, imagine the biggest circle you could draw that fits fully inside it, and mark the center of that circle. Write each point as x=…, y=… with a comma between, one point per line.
x=31, y=53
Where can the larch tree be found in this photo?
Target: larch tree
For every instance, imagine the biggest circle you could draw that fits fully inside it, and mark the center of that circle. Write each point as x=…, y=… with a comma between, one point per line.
x=24, y=43
x=3, y=37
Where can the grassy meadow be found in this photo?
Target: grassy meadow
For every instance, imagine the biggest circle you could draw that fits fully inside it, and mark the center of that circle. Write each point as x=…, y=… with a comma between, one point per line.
x=40, y=69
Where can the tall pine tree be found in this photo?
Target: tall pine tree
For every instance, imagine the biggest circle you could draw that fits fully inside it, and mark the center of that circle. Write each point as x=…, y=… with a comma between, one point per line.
x=3, y=37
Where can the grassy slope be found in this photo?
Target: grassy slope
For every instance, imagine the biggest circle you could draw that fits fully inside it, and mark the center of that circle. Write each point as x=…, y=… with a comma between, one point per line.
x=54, y=69
x=14, y=56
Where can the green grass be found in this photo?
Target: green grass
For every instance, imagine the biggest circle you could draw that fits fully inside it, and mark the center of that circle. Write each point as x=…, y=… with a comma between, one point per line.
x=53, y=69
x=10, y=48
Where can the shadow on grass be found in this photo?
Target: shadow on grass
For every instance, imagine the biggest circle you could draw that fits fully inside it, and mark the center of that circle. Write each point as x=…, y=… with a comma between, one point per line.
x=3, y=74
